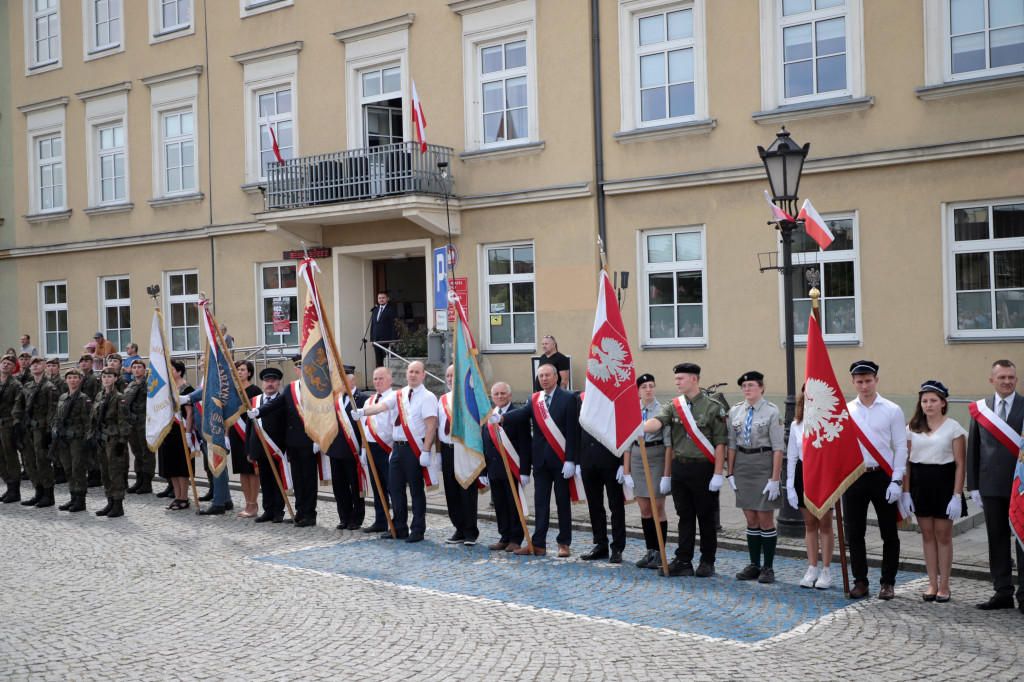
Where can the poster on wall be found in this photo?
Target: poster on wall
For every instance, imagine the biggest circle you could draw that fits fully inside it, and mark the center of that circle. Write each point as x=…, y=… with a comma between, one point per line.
x=282, y=309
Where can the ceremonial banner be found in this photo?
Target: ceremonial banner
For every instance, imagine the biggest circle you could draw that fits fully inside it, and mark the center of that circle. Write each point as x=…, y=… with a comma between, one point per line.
x=612, y=412
x=161, y=395
x=832, y=459
x=321, y=379
x=470, y=406
x=224, y=400
x=1017, y=501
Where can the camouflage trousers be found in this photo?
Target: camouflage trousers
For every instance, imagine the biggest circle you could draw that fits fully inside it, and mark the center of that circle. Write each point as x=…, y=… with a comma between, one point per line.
x=145, y=459
x=114, y=468
x=10, y=466
x=37, y=465
x=75, y=461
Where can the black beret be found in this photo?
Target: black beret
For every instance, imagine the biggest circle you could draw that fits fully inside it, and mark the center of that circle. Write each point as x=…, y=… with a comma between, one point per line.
x=643, y=379
x=863, y=367
x=686, y=368
x=271, y=373
x=751, y=376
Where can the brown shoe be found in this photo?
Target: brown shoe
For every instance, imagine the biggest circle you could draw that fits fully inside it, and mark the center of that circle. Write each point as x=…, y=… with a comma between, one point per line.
x=512, y=546
x=522, y=551
x=886, y=592
x=563, y=551
x=539, y=551
x=859, y=591
x=497, y=546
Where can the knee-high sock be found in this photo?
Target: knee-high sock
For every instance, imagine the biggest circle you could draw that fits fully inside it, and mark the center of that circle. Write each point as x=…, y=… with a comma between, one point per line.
x=754, y=545
x=649, y=535
x=664, y=534
x=768, y=539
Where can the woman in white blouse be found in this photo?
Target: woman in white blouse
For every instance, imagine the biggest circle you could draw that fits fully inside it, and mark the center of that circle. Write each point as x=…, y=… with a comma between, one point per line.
x=822, y=579
x=937, y=447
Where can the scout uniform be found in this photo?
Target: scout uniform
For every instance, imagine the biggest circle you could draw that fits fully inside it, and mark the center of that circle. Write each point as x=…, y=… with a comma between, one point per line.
x=70, y=431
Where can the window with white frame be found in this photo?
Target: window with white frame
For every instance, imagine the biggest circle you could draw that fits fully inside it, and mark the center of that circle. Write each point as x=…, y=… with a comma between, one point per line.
x=175, y=14
x=49, y=175
x=381, y=99
x=665, y=65
x=985, y=37
x=509, y=283
x=987, y=268
x=249, y=8
x=275, y=113
x=182, y=296
x=674, y=290
x=815, y=49
x=112, y=162
x=117, y=311
x=179, y=152
x=836, y=273
x=503, y=92
x=55, y=318
x=44, y=34
x=280, y=303
x=104, y=30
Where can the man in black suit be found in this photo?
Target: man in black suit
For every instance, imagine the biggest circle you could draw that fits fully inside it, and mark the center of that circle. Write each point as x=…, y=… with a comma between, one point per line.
x=382, y=326
x=344, y=472
x=510, y=528
x=549, y=468
x=602, y=471
x=274, y=427
x=990, y=466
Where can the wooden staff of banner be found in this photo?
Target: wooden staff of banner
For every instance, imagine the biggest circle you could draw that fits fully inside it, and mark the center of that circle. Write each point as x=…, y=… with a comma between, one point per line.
x=514, y=484
x=273, y=469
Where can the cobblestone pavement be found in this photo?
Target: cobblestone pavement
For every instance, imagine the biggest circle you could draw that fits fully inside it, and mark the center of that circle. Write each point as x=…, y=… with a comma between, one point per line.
x=170, y=595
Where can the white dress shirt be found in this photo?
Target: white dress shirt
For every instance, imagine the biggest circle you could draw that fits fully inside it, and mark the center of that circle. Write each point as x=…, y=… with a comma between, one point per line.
x=422, y=405
x=442, y=419
x=1009, y=404
x=884, y=424
x=383, y=423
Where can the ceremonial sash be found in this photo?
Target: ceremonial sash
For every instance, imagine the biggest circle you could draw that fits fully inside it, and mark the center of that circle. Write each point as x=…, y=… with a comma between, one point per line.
x=509, y=454
x=429, y=476
x=556, y=440
x=373, y=431
x=278, y=456
x=698, y=438
x=999, y=429
x=865, y=440
x=346, y=427
x=362, y=473
x=297, y=396
x=447, y=405
x=323, y=467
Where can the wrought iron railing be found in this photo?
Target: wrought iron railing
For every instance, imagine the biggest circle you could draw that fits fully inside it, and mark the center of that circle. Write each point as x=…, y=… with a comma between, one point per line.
x=357, y=175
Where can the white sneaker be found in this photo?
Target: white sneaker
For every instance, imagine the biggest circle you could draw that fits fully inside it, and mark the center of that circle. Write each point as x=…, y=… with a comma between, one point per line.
x=809, y=577
x=824, y=580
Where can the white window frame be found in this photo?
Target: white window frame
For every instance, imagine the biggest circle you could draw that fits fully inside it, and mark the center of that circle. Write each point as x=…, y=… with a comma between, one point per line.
x=487, y=279
x=951, y=248
x=505, y=22
x=158, y=32
x=273, y=122
x=368, y=49
x=947, y=50
x=91, y=12
x=643, y=290
x=251, y=8
x=267, y=69
x=262, y=294
x=56, y=307
x=820, y=258
x=176, y=91
x=179, y=140
x=106, y=107
x=630, y=13
x=187, y=300
x=51, y=161
x=113, y=153
x=773, y=81
x=41, y=123
x=119, y=336
x=32, y=64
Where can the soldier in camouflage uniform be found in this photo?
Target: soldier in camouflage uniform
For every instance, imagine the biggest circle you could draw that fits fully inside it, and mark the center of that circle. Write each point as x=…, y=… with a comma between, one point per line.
x=90, y=387
x=53, y=375
x=114, y=360
x=10, y=467
x=33, y=414
x=110, y=428
x=145, y=459
x=70, y=431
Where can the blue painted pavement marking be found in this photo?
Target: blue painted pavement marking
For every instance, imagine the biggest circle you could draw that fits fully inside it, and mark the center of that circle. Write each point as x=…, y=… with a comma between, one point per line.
x=719, y=607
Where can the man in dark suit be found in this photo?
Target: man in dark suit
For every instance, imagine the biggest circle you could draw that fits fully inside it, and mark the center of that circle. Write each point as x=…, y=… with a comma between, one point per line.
x=274, y=426
x=382, y=326
x=549, y=469
x=601, y=472
x=990, y=466
x=510, y=528
x=344, y=472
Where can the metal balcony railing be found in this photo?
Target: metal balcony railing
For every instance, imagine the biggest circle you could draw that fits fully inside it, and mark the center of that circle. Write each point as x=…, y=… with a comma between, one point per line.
x=357, y=175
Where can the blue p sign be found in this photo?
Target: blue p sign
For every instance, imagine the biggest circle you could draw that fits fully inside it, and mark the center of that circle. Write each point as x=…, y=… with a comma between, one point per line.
x=440, y=279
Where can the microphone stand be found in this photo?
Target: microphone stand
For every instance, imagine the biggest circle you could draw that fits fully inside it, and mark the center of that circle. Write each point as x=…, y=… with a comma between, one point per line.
x=362, y=347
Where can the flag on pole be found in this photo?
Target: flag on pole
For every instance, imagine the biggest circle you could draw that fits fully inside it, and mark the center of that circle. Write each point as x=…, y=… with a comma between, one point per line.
x=161, y=395
x=419, y=120
x=817, y=229
x=1017, y=501
x=612, y=413
x=273, y=139
x=224, y=400
x=321, y=378
x=831, y=454
x=470, y=405
x=777, y=213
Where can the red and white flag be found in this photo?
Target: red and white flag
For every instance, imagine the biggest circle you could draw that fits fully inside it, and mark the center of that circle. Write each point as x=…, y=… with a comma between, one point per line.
x=817, y=229
x=419, y=120
x=612, y=412
x=273, y=140
x=777, y=213
x=831, y=454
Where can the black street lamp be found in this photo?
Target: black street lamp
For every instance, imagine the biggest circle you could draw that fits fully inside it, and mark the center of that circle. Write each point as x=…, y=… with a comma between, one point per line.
x=784, y=162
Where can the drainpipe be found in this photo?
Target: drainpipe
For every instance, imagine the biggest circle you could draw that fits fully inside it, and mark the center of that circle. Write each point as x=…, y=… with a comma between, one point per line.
x=595, y=38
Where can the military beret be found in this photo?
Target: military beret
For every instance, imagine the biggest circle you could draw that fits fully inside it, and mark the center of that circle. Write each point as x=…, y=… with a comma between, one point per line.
x=53, y=361
x=686, y=368
x=751, y=376
x=74, y=370
x=35, y=359
x=271, y=373
x=138, y=361
x=643, y=379
x=934, y=386
x=863, y=367
x=111, y=371
x=25, y=355
x=9, y=358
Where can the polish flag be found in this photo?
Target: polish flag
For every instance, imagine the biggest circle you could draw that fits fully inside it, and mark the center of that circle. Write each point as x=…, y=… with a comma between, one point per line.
x=817, y=229
x=777, y=213
x=273, y=139
x=419, y=119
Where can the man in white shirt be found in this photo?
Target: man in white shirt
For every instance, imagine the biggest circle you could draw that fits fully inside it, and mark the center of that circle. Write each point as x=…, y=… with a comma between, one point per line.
x=381, y=440
x=883, y=423
x=417, y=419
x=462, y=502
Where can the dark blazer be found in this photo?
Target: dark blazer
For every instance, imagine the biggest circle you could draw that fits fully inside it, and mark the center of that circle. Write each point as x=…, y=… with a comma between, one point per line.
x=989, y=464
x=519, y=434
x=565, y=413
x=274, y=424
x=593, y=455
x=339, y=446
x=295, y=430
x=383, y=329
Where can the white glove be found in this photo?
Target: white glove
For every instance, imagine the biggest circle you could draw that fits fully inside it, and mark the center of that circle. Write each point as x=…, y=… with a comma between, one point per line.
x=976, y=498
x=893, y=492
x=794, y=501
x=953, y=509
x=772, y=489
x=627, y=480
x=716, y=483
x=494, y=419
x=425, y=459
x=666, y=485
x=485, y=481
x=619, y=477
x=908, y=502
x=568, y=470
x=253, y=414
x=357, y=413
x=524, y=479
x=579, y=470
x=732, y=482
x=185, y=399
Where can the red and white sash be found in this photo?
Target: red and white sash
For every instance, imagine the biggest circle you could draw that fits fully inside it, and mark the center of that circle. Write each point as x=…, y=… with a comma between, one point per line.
x=373, y=431
x=999, y=429
x=297, y=397
x=350, y=438
x=509, y=454
x=446, y=403
x=698, y=438
x=429, y=475
x=556, y=440
x=277, y=455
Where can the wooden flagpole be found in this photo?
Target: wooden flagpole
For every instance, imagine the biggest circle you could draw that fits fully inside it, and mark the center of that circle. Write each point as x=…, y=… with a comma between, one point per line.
x=654, y=507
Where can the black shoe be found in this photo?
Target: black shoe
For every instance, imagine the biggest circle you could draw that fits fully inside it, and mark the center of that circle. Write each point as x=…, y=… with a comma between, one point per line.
x=67, y=505
x=264, y=517
x=647, y=558
x=213, y=509
x=116, y=510
x=229, y=505
x=78, y=504
x=749, y=572
x=655, y=563
x=207, y=497
x=279, y=518
x=134, y=487
x=704, y=570
x=415, y=537
x=352, y=525
x=997, y=601
x=32, y=501
x=106, y=510
x=13, y=494
x=343, y=525
x=767, y=576
x=470, y=541
x=306, y=522
x=167, y=492
x=401, y=535
x=376, y=528
x=457, y=538
x=616, y=557
x=146, y=486
x=598, y=552
x=677, y=568
x=47, y=499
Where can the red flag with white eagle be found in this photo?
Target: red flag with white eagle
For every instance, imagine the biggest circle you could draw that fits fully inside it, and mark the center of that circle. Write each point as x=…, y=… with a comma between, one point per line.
x=816, y=228
x=611, y=412
x=419, y=120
